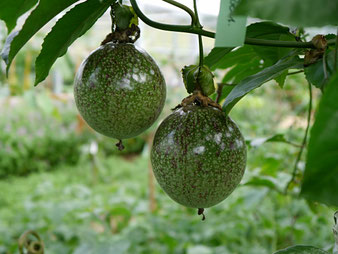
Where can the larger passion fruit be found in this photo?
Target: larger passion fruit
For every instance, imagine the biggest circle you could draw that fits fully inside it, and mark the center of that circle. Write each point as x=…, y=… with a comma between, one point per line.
x=198, y=156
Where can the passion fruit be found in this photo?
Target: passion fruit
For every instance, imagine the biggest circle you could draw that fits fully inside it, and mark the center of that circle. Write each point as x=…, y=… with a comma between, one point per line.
x=119, y=90
x=198, y=156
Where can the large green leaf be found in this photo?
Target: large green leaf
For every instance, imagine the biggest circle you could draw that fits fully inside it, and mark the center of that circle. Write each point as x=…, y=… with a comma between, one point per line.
x=321, y=173
x=243, y=62
x=301, y=249
x=11, y=10
x=303, y=13
x=42, y=14
x=270, y=31
x=249, y=59
x=238, y=56
x=71, y=26
x=252, y=82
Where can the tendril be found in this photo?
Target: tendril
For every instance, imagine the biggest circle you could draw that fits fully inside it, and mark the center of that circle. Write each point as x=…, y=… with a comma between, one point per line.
x=29, y=246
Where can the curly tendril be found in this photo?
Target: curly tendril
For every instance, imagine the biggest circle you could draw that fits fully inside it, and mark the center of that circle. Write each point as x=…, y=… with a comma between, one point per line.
x=29, y=246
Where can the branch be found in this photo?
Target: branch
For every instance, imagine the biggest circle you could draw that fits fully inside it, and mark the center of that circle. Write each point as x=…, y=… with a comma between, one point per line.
x=201, y=31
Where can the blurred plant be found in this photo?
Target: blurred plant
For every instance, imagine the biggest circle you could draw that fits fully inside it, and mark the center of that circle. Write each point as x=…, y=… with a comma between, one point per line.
x=40, y=133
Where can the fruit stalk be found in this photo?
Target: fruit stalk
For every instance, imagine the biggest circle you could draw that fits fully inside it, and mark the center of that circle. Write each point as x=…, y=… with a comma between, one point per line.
x=200, y=40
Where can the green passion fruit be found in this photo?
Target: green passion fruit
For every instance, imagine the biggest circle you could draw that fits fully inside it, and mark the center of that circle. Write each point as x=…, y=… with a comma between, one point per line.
x=119, y=90
x=198, y=156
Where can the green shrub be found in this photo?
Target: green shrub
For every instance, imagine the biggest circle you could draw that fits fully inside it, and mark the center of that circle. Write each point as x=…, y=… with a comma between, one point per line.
x=38, y=134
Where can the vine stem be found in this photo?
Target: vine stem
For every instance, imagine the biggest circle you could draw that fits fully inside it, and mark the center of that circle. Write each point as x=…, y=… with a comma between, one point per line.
x=184, y=8
x=335, y=51
x=299, y=156
x=295, y=72
x=202, y=32
x=200, y=40
x=219, y=92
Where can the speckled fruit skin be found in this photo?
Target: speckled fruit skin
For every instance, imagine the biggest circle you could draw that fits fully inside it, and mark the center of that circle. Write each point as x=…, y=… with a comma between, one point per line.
x=198, y=156
x=119, y=90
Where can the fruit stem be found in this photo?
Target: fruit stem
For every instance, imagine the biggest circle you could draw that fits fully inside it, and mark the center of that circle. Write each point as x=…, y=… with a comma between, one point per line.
x=200, y=40
x=120, y=145
x=202, y=32
x=200, y=211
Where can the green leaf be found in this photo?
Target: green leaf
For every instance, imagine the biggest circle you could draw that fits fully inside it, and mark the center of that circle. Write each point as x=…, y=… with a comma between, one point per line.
x=263, y=181
x=315, y=72
x=248, y=60
x=222, y=57
x=206, y=80
x=303, y=13
x=252, y=82
x=42, y=14
x=189, y=77
x=280, y=138
x=320, y=177
x=123, y=16
x=265, y=28
x=281, y=79
x=215, y=56
x=270, y=31
x=301, y=249
x=70, y=27
x=238, y=56
x=244, y=62
x=11, y=10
